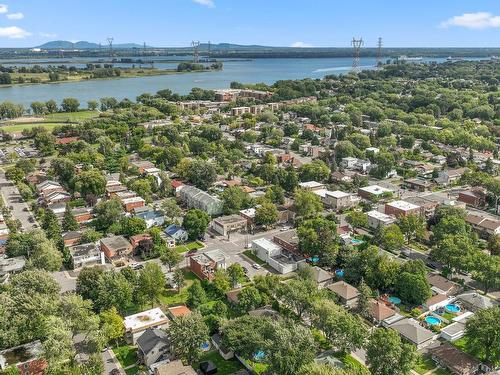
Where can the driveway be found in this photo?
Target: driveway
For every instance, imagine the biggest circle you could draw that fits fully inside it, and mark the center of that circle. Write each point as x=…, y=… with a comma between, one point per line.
x=111, y=363
x=12, y=198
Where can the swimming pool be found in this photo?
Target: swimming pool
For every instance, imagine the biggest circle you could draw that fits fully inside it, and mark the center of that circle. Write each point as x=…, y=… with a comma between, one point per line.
x=355, y=241
x=432, y=320
x=205, y=346
x=394, y=300
x=453, y=308
x=259, y=356
x=339, y=273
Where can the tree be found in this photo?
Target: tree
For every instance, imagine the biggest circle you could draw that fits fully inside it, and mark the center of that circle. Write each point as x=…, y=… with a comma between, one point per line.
x=196, y=223
x=413, y=289
x=392, y=238
x=179, y=279
x=143, y=188
x=249, y=299
x=131, y=226
x=63, y=169
x=90, y=182
x=151, y=283
x=78, y=314
x=187, y=333
x=171, y=210
x=363, y=306
x=70, y=105
x=298, y=295
x=221, y=282
x=386, y=354
x=455, y=252
x=266, y=214
x=38, y=108
x=357, y=219
x=106, y=213
x=494, y=245
x=92, y=105
x=344, y=330
x=45, y=142
x=170, y=257
x=483, y=335
x=412, y=226
x=51, y=106
x=111, y=325
x=307, y=203
x=46, y=257
x=14, y=174
x=234, y=199
x=69, y=222
x=202, y=174
x=317, y=170
x=196, y=295
x=318, y=238
x=236, y=273
x=486, y=270
x=315, y=368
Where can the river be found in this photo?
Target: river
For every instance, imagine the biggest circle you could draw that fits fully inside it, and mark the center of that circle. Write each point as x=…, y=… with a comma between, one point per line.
x=252, y=71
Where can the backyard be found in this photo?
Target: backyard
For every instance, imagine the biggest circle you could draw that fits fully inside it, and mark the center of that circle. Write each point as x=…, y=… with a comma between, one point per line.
x=223, y=367
x=191, y=246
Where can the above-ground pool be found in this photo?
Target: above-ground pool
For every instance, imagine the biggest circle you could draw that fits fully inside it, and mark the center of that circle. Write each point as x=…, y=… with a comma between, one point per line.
x=355, y=241
x=453, y=308
x=432, y=320
x=314, y=259
x=339, y=273
x=205, y=346
x=259, y=356
x=394, y=300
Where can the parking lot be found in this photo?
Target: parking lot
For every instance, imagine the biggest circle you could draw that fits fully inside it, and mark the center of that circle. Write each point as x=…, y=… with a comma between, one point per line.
x=13, y=200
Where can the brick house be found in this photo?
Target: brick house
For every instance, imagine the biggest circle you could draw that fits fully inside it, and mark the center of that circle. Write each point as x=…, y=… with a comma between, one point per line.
x=116, y=247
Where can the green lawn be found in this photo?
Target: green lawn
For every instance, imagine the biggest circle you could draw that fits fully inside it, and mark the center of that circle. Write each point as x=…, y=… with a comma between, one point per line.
x=442, y=371
x=126, y=355
x=132, y=370
x=424, y=364
x=71, y=116
x=253, y=257
x=195, y=245
x=223, y=367
x=258, y=367
x=349, y=360
x=22, y=126
x=171, y=296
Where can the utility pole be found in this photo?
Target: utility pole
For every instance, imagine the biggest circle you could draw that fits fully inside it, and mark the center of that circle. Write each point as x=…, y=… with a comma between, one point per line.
x=379, y=51
x=209, y=50
x=356, y=44
x=110, y=42
x=196, y=52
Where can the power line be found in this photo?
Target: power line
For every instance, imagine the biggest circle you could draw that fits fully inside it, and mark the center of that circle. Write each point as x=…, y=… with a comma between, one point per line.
x=356, y=44
x=379, y=51
x=196, y=52
x=110, y=42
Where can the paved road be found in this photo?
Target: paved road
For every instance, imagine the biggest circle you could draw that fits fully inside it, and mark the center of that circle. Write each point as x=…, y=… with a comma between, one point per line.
x=111, y=363
x=12, y=198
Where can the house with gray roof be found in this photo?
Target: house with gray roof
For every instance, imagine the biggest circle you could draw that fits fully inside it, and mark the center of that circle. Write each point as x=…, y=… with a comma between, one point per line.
x=193, y=197
x=413, y=332
x=474, y=301
x=153, y=346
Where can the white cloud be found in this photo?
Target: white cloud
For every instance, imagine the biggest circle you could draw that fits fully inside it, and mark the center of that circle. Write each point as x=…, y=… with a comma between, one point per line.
x=15, y=16
x=13, y=32
x=478, y=20
x=207, y=3
x=301, y=45
x=47, y=35
x=4, y=8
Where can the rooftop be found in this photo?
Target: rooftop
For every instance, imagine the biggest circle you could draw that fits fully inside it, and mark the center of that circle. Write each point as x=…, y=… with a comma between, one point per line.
x=379, y=215
x=145, y=319
x=229, y=219
x=344, y=290
x=311, y=185
x=403, y=205
x=413, y=331
x=337, y=194
x=177, y=311
x=115, y=242
x=375, y=190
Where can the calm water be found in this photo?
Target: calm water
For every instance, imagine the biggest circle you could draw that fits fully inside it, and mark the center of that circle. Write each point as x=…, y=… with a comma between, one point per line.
x=253, y=71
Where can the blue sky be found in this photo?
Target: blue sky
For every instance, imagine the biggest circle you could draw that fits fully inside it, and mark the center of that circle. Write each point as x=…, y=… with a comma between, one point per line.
x=401, y=23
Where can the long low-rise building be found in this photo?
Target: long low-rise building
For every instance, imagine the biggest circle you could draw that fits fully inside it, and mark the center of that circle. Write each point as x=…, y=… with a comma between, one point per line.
x=227, y=224
x=193, y=197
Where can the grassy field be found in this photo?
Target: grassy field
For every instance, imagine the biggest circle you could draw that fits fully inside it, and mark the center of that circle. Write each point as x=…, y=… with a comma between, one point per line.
x=126, y=355
x=20, y=127
x=223, y=367
x=424, y=364
x=195, y=245
x=71, y=116
x=171, y=296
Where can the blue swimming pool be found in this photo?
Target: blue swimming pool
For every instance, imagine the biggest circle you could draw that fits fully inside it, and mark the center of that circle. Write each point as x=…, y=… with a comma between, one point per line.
x=394, y=300
x=259, y=356
x=314, y=259
x=355, y=241
x=453, y=308
x=339, y=273
x=205, y=346
x=432, y=320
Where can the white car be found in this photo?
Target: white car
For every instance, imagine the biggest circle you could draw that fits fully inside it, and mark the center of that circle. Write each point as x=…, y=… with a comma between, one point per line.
x=256, y=266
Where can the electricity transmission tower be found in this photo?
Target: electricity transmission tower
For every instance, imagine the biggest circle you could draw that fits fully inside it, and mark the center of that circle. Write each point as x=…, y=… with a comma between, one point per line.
x=110, y=42
x=356, y=44
x=379, y=51
x=196, y=52
x=209, y=49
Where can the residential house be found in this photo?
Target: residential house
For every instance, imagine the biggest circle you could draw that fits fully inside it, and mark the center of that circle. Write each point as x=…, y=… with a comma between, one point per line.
x=153, y=346
x=413, y=332
x=27, y=358
x=485, y=226
x=418, y=184
x=442, y=285
x=226, y=224
x=449, y=176
x=378, y=219
x=437, y=301
x=425, y=202
x=193, y=197
x=224, y=352
x=474, y=301
x=373, y=191
x=282, y=261
x=178, y=233
x=401, y=208
x=48, y=186
x=56, y=197
x=453, y=332
x=475, y=198
x=453, y=359
x=339, y=200
x=311, y=185
x=142, y=165
x=137, y=324
x=129, y=204
x=71, y=238
x=136, y=240
x=116, y=247
x=152, y=217
x=204, y=265
x=321, y=276
x=85, y=255
x=379, y=311
x=82, y=214
x=9, y=266
x=177, y=311
x=347, y=294
x=172, y=368
x=288, y=240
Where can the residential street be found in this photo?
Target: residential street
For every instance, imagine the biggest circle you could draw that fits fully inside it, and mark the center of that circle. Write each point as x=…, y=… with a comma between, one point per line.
x=12, y=198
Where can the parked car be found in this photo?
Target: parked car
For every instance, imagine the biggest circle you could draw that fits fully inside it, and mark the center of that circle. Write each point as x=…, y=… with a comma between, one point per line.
x=136, y=266
x=256, y=266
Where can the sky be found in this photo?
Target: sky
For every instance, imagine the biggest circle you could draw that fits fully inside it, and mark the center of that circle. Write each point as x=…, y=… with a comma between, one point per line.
x=300, y=23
